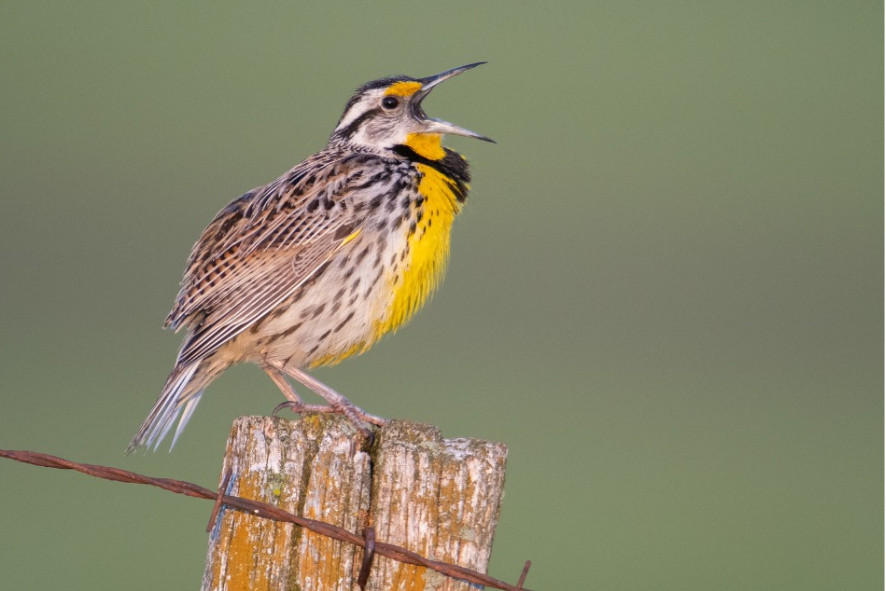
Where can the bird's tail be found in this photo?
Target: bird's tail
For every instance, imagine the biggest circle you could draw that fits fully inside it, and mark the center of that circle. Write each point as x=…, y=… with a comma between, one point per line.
x=179, y=396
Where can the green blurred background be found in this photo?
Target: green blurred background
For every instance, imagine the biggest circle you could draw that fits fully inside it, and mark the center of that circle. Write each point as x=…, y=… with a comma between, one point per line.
x=664, y=295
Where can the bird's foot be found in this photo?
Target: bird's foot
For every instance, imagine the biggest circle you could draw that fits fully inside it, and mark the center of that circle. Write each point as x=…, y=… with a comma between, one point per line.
x=338, y=404
x=301, y=408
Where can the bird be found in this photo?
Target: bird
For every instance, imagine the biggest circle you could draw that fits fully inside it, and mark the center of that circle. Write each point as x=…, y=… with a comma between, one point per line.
x=318, y=265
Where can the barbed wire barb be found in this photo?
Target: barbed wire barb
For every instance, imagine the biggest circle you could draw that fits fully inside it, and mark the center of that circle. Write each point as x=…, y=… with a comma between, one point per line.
x=218, y=500
x=523, y=574
x=368, y=555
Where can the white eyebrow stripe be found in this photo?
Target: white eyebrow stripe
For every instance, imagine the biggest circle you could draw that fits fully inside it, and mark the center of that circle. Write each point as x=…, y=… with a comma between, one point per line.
x=364, y=104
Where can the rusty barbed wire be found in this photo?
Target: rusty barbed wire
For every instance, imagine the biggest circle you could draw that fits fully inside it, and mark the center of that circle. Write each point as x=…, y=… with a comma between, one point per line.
x=266, y=511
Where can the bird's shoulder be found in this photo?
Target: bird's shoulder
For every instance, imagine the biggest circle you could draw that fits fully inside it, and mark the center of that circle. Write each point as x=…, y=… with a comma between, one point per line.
x=317, y=203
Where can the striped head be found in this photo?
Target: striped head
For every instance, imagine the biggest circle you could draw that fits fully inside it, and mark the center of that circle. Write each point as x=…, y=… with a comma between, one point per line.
x=387, y=113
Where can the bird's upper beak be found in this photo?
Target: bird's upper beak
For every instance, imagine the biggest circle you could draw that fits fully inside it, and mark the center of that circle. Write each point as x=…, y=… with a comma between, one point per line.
x=437, y=125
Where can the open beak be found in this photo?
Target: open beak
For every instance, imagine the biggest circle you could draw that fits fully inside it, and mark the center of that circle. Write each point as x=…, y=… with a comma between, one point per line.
x=438, y=125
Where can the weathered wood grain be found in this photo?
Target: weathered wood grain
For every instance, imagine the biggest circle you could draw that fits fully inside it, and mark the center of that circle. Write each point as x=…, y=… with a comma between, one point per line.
x=314, y=467
x=438, y=497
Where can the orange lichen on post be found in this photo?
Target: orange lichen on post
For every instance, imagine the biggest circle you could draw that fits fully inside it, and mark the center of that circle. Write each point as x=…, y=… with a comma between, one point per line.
x=243, y=539
x=289, y=464
x=408, y=577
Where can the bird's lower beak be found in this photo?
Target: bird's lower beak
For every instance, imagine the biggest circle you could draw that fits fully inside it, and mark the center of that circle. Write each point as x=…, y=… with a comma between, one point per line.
x=437, y=125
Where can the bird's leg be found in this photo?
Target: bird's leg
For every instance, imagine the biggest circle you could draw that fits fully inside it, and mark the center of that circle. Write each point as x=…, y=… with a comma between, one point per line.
x=336, y=400
x=294, y=401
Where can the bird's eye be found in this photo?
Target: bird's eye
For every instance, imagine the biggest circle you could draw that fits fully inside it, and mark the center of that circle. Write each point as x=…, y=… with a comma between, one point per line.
x=390, y=102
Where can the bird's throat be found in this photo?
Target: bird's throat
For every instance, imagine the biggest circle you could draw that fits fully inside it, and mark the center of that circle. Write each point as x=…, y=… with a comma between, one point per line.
x=426, y=145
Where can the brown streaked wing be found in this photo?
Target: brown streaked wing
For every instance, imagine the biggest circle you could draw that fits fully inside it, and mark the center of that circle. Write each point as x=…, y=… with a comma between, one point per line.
x=268, y=279
x=207, y=264
x=273, y=241
x=254, y=219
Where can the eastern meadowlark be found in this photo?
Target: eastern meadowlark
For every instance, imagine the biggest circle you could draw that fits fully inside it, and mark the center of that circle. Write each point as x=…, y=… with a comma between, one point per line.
x=318, y=265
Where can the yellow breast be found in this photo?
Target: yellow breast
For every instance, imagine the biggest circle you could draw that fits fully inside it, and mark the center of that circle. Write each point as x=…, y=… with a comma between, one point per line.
x=427, y=250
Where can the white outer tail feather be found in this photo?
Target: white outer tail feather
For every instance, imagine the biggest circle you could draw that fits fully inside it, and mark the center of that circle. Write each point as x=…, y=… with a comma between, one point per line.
x=179, y=396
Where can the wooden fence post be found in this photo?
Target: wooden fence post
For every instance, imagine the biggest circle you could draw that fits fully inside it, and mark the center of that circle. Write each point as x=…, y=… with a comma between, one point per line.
x=437, y=497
